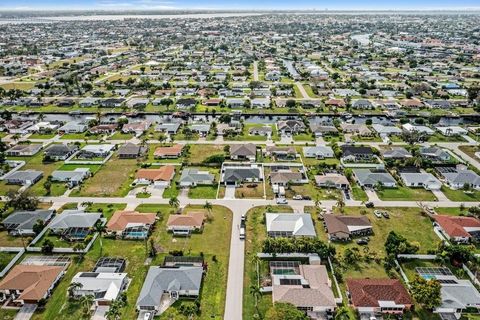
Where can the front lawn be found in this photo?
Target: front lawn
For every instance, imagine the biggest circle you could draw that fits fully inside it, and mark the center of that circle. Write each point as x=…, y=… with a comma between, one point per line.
x=461, y=195
x=200, y=152
x=303, y=137
x=405, y=194
x=358, y=193
x=43, y=136
x=121, y=136
x=203, y=192
x=250, y=190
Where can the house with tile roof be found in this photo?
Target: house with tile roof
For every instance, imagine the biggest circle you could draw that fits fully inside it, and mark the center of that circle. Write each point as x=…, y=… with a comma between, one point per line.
x=184, y=224
x=157, y=177
x=130, y=224
x=171, y=152
x=458, y=229
x=343, y=227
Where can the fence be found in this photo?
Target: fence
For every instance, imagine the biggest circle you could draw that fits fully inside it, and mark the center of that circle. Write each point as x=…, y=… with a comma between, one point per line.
x=20, y=252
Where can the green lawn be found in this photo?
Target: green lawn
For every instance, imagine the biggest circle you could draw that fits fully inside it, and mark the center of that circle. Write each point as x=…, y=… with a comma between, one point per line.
x=5, y=258
x=8, y=314
x=200, y=152
x=70, y=167
x=80, y=136
x=108, y=209
x=358, y=193
x=44, y=136
x=121, y=136
x=461, y=195
x=303, y=137
x=438, y=137
x=405, y=194
x=203, y=192
x=36, y=163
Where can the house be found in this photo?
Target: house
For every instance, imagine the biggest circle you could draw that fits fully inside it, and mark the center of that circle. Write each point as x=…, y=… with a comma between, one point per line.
x=288, y=153
x=105, y=287
x=168, y=127
x=417, y=179
x=74, y=224
x=91, y=151
x=158, y=177
x=184, y=224
x=434, y=154
x=452, y=131
x=321, y=130
x=357, y=154
x=171, y=152
x=138, y=128
x=130, y=224
x=344, y=228
x=73, y=127
x=285, y=177
x=369, y=178
x=201, y=128
x=396, y=153
x=186, y=103
x=138, y=103
x=420, y=129
x=23, y=150
x=289, y=225
x=193, y=177
x=228, y=128
x=130, y=151
x=233, y=175
x=353, y=128
x=378, y=296
x=307, y=287
x=459, y=178
x=332, y=180
x=362, y=104
x=22, y=222
x=88, y=102
x=112, y=102
x=72, y=178
x=458, y=228
x=235, y=103
x=261, y=131
x=290, y=127
x=318, y=152
x=24, y=177
x=59, y=152
x=103, y=128
x=340, y=103
x=28, y=284
x=43, y=126
x=246, y=151
x=385, y=131
x=260, y=103
x=165, y=285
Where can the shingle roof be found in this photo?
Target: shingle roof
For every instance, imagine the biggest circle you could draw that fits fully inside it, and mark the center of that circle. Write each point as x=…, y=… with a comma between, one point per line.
x=248, y=149
x=298, y=224
x=368, y=292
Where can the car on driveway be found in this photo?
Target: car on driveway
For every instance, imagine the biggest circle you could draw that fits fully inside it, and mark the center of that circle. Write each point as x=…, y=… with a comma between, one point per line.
x=282, y=201
x=369, y=204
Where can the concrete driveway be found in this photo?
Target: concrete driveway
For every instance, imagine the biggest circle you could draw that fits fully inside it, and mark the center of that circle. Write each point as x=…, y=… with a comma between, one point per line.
x=26, y=312
x=230, y=192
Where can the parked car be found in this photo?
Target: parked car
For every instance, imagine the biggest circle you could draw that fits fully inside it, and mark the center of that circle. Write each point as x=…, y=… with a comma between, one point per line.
x=369, y=204
x=297, y=197
x=385, y=215
x=307, y=198
x=362, y=241
x=242, y=233
x=282, y=201
x=377, y=213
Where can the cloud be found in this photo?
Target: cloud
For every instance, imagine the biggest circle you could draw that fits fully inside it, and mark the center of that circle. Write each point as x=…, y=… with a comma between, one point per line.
x=136, y=4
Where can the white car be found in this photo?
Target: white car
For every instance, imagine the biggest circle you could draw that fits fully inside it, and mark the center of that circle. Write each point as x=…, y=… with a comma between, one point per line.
x=377, y=213
x=297, y=197
x=282, y=201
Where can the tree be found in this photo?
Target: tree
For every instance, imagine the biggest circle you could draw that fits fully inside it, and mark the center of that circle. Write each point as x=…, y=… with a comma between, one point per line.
x=38, y=226
x=189, y=308
x=47, y=247
x=86, y=301
x=426, y=292
x=174, y=202
x=100, y=228
x=22, y=200
x=48, y=185
x=208, y=206
x=256, y=293
x=284, y=311
x=73, y=287
x=342, y=314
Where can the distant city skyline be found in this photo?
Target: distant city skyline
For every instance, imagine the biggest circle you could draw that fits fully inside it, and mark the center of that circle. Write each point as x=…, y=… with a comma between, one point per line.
x=237, y=5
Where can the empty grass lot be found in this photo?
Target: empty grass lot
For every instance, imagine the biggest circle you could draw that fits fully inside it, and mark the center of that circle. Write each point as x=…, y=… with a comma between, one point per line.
x=255, y=234
x=405, y=194
x=200, y=152
x=203, y=192
x=112, y=180
x=461, y=195
x=35, y=163
x=250, y=190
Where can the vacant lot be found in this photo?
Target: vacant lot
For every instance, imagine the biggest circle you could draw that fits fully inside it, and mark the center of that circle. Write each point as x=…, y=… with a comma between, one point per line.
x=250, y=190
x=112, y=180
x=461, y=195
x=405, y=194
x=200, y=152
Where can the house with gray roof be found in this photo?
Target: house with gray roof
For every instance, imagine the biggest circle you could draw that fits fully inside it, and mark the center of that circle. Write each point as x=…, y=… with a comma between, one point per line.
x=260, y=131
x=369, y=178
x=396, y=153
x=74, y=224
x=247, y=151
x=95, y=151
x=59, y=152
x=168, y=127
x=193, y=177
x=201, y=128
x=322, y=130
x=289, y=225
x=234, y=175
x=24, y=177
x=384, y=131
x=318, y=152
x=458, y=178
x=22, y=222
x=73, y=127
x=290, y=127
x=72, y=178
x=130, y=151
x=165, y=285
x=103, y=286
x=435, y=154
x=23, y=150
x=421, y=180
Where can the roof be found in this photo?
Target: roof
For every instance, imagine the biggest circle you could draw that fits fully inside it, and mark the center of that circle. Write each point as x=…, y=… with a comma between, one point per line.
x=240, y=174
x=164, y=173
x=355, y=150
x=33, y=280
x=191, y=219
x=419, y=177
x=122, y=219
x=24, y=175
x=70, y=175
x=459, y=295
x=105, y=285
x=368, y=292
x=130, y=148
x=193, y=175
x=322, y=150
x=372, y=177
x=169, y=151
x=74, y=219
x=284, y=177
x=248, y=149
x=345, y=224
x=331, y=179
x=26, y=219
x=462, y=177
x=59, y=149
x=98, y=148
x=397, y=152
x=457, y=226
x=299, y=224
x=160, y=280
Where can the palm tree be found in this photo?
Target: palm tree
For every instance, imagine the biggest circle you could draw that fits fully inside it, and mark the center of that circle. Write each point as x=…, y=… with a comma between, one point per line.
x=209, y=208
x=100, y=228
x=86, y=302
x=73, y=287
x=256, y=293
x=174, y=202
x=418, y=161
x=340, y=203
x=342, y=314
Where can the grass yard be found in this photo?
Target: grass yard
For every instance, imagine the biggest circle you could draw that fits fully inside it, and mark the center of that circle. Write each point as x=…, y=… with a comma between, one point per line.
x=303, y=137
x=44, y=136
x=405, y=194
x=80, y=136
x=438, y=137
x=8, y=314
x=203, y=192
x=4, y=187
x=358, y=193
x=112, y=180
x=250, y=190
x=121, y=136
x=408, y=222
x=200, y=152
x=57, y=241
x=38, y=189
x=108, y=209
x=255, y=234
x=461, y=195
x=151, y=158
x=470, y=151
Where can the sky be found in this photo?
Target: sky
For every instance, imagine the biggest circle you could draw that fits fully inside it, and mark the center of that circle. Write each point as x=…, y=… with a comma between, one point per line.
x=238, y=4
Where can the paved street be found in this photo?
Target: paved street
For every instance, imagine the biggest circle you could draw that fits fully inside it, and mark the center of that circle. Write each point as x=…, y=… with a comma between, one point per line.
x=255, y=71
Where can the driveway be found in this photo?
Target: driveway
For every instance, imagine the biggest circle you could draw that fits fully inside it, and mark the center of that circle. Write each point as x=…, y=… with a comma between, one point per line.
x=230, y=192
x=440, y=195
x=100, y=313
x=26, y=312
